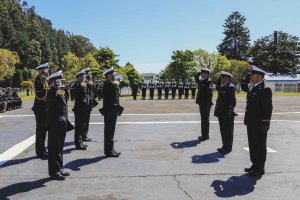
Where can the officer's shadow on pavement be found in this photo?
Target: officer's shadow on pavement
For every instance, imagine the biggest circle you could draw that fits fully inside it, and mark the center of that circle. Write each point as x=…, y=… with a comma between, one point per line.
x=235, y=186
x=207, y=158
x=186, y=144
x=17, y=161
x=16, y=188
x=75, y=165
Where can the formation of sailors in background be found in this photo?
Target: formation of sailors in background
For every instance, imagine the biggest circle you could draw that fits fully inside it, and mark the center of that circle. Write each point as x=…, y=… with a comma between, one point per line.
x=9, y=99
x=165, y=90
x=51, y=114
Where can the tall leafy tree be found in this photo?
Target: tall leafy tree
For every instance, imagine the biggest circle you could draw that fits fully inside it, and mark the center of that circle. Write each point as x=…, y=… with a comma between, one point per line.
x=106, y=58
x=277, y=53
x=80, y=45
x=236, y=42
x=8, y=60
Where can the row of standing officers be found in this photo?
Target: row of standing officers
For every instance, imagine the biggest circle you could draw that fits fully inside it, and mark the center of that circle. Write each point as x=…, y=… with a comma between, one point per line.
x=167, y=88
x=51, y=113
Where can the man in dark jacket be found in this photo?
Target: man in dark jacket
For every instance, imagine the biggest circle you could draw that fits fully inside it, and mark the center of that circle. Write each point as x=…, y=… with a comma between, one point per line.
x=204, y=100
x=180, y=89
x=144, y=90
x=135, y=89
x=167, y=88
x=81, y=109
x=159, y=87
x=111, y=110
x=40, y=110
x=257, y=118
x=152, y=89
x=57, y=123
x=173, y=88
x=193, y=88
x=186, y=89
x=225, y=110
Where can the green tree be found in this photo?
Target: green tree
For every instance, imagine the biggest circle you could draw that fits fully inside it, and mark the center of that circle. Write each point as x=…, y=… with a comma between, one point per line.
x=90, y=61
x=236, y=42
x=277, y=53
x=81, y=46
x=131, y=74
x=182, y=66
x=8, y=60
x=106, y=58
x=239, y=69
x=71, y=65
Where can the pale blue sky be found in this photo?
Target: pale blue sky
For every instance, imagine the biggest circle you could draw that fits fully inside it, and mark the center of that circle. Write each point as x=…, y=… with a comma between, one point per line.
x=145, y=32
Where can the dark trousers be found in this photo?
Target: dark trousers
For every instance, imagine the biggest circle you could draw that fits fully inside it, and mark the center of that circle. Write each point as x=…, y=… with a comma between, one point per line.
x=180, y=93
x=159, y=92
x=134, y=94
x=56, y=140
x=193, y=93
x=144, y=93
x=226, y=129
x=257, y=139
x=151, y=93
x=109, y=132
x=205, y=113
x=173, y=93
x=87, y=125
x=186, y=94
x=166, y=93
x=80, y=125
x=41, y=131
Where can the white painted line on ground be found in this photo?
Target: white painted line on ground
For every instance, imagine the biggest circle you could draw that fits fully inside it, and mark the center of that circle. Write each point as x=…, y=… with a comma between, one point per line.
x=269, y=150
x=16, y=150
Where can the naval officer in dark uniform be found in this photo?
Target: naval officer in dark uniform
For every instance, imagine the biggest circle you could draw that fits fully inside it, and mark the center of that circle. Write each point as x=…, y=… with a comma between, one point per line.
x=111, y=110
x=167, y=88
x=58, y=125
x=193, y=88
x=159, y=87
x=144, y=90
x=180, y=89
x=173, y=88
x=204, y=100
x=40, y=110
x=81, y=109
x=152, y=89
x=224, y=110
x=257, y=118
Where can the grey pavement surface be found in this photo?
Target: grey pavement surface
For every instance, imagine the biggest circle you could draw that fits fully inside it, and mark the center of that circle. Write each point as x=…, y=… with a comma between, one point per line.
x=158, y=161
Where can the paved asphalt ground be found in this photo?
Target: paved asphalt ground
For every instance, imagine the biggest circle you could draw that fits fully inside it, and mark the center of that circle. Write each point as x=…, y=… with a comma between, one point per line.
x=161, y=158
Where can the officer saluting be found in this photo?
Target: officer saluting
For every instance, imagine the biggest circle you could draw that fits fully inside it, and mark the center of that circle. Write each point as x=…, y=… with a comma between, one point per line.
x=58, y=125
x=225, y=110
x=111, y=110
x=257, y=118
x=92, y=103
x=81, y=109
x=40, y=110
x=204, y=100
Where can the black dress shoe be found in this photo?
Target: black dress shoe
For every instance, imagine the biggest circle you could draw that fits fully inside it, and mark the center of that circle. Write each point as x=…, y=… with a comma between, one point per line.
x=202, y=138
x=257, y=173
x=248, y=169
x=86, y=139
x=112, y=154
x=63, y=173
x=42, y=156
x=223, y=151
x=85, y=145
x=119, y=153
x=58, y=177
x=81, y=147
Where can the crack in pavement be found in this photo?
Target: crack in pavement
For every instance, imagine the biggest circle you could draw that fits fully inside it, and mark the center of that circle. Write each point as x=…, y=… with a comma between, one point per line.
x=181, y=188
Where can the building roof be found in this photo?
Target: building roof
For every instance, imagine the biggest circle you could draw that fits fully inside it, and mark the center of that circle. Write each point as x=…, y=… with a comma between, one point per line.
x=283, y=78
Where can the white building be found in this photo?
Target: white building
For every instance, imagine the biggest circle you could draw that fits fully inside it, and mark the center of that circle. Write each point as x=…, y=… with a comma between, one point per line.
x=149, y=76
x=283, y=82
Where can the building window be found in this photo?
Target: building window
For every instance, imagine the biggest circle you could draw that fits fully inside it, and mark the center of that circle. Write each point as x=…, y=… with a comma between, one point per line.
x=290, y=88
x=278, y=88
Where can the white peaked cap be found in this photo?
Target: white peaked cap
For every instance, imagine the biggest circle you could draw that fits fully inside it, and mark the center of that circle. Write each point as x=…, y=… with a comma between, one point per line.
x=257, y=69
x=204, y=69
x=226, y=73
x=110, y=70
x=80, y=73
x=46, y=65
x=87, y=69
x=56, y=75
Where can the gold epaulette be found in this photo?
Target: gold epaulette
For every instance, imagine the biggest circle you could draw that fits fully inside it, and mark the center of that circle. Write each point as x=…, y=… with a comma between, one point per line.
x=83, y=84
x=60, y=92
